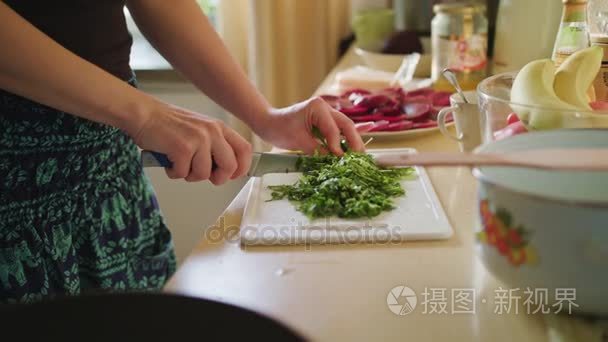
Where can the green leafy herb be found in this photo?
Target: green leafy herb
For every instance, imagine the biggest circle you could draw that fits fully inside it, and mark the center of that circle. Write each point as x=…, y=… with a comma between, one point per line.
x=351, y=186
x=316, y=132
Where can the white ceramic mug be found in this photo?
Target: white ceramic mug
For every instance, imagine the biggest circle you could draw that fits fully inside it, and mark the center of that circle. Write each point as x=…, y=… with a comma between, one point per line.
x=467, y=119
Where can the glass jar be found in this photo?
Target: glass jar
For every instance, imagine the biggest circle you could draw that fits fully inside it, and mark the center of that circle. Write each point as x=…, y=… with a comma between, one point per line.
x=459, y=35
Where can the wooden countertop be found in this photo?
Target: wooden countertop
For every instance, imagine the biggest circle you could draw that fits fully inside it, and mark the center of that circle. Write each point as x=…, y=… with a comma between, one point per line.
x=339, y=292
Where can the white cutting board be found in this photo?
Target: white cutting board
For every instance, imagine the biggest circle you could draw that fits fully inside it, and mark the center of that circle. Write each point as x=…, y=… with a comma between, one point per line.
x=418, y=216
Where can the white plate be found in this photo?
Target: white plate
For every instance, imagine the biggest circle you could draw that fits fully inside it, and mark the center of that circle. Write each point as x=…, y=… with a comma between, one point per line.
x=418, y=216
x=416, y=83
x=408, y=134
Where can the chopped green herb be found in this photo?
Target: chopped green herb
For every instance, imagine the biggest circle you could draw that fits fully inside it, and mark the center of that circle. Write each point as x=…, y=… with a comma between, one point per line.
x=316, y=132
x=351, y=186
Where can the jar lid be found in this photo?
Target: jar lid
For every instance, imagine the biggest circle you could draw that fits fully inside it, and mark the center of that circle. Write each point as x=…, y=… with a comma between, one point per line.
x=575, y=1
x=459, y=8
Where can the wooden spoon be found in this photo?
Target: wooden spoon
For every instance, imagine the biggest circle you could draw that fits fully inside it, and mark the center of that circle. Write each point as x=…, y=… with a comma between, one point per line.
x=550, y=159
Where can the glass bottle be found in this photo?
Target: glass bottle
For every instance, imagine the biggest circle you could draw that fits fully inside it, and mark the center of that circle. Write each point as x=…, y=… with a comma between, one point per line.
x=573, y=34
x=413, y=15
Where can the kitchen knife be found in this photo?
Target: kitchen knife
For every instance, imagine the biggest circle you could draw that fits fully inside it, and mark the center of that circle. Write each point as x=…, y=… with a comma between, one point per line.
x=261, y=163
x=549, y=159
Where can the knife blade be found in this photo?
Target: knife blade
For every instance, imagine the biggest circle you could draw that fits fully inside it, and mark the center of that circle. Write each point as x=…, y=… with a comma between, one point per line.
x=261, y=163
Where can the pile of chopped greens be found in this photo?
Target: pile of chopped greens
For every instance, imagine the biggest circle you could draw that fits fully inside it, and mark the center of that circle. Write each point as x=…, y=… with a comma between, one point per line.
x=351, y=186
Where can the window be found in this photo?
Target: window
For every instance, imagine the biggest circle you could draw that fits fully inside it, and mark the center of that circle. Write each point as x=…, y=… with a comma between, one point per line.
x=210, y=8
x=143, y=55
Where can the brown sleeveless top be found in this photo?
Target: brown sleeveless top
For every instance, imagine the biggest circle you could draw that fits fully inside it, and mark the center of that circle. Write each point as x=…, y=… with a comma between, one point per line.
x=95, y=30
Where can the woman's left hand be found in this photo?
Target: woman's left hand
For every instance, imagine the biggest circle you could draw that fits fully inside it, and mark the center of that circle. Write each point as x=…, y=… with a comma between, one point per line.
x=291, y=127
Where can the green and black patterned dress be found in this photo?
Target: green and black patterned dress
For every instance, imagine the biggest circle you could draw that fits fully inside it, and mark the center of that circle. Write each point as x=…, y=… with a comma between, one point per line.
x=77, y=212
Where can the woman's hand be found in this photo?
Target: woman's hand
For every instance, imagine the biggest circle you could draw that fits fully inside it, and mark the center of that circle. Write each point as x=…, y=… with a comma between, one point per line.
x=194, y=143
x=196, y=50
x=291, y=127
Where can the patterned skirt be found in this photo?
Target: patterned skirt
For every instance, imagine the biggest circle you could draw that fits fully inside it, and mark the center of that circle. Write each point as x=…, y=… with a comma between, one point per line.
x=77, y=213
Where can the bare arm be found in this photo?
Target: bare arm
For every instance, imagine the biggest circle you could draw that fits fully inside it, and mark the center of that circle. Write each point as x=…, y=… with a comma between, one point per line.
x=38, y=68
x=182, y=33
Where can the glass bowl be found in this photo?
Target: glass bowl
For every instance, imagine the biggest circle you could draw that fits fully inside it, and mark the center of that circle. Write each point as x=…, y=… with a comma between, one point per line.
x=495, y=106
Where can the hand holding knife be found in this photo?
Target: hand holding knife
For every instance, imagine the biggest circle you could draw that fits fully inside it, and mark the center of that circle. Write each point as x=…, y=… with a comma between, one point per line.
x=261, y=163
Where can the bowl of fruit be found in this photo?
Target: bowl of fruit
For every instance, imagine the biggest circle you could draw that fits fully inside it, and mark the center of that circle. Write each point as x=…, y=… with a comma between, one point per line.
x=545, y=231
x=542, y=97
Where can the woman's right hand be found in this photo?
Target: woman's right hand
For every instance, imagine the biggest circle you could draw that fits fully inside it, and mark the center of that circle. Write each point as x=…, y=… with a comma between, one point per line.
x=194, y=142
